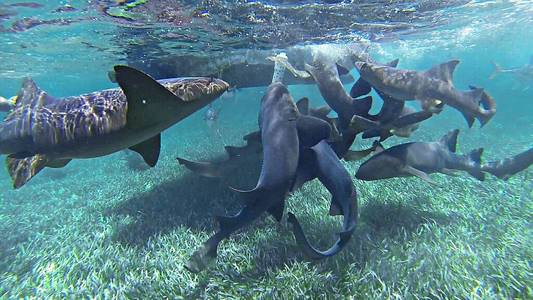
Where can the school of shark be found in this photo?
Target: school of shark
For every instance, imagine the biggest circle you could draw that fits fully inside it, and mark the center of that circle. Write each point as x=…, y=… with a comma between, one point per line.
x=294, y=143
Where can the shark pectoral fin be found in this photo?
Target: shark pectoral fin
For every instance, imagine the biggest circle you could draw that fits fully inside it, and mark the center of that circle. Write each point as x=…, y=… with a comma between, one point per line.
x=149, y=149
x=205, y=169
x=360, y=88
x=443, y=71
x=276, y=210
x=335, y=209
x=312, y=130
x=303, y=106
x=449, y=172
x=22, y=170
x=58, y=163
x=420, y=174
x=149, y=102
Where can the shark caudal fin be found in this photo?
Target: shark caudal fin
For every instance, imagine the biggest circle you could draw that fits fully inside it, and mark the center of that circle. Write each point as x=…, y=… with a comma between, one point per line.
x=444, y=71
x=475, y=160
x=205, y=169
x=449, y=140
x=475, y=96
x=497, y=70
x=489, y=107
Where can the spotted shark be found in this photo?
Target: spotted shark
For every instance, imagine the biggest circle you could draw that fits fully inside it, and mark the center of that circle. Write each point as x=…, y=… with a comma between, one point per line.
x=283, y=133
x=43, y=131
x=420, y=159
x=430, y=87
x=507, y=167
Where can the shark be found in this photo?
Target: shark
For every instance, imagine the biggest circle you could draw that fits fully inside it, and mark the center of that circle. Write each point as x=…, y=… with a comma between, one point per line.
x=420, y=159
x=507, y=167
x=430, y=87
x=43, y=131
x=523, y=74
x=284, y=132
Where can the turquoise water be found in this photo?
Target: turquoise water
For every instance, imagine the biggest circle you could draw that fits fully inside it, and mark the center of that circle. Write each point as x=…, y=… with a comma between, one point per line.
x=109, y=227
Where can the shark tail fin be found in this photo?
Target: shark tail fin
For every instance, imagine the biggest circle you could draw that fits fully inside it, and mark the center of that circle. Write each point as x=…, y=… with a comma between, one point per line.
x=360, y=88
x=450, y=140
x=489, y=107
x=475, y=160
x=476, y=96
x=496, y=71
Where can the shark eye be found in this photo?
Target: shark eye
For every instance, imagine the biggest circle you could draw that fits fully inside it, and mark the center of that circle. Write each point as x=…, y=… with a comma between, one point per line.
x=144, y=101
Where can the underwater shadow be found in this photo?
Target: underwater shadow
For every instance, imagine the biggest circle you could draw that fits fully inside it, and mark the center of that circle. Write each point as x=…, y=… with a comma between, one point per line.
x=378, y=221
x=188, y=200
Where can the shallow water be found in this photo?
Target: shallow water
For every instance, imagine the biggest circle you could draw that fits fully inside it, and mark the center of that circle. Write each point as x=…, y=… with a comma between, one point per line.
x=109, y=227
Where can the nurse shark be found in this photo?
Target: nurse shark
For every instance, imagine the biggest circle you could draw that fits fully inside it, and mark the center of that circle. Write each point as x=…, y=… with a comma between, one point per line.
x=420, y=159
x=430, y=87
x=42, y=131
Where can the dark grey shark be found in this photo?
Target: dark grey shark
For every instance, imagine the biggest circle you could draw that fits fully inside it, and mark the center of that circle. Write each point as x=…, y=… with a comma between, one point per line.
x=420, y=159
x=320, y=161
x=429, y=87
x=283, y=133
x=42, y=131
x=507, y=167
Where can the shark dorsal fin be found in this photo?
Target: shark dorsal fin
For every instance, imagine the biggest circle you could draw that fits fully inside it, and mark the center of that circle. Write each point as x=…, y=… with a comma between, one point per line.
x=31, y=95
x=444, y=71
x=393, y=63
x=149, y=102
x=450, y=140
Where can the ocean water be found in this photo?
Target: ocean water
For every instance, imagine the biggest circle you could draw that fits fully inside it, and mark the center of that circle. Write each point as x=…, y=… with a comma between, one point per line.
x=110, y=227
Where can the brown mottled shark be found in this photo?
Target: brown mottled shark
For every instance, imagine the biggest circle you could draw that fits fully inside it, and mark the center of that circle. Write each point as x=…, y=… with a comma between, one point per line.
x=420, y=159
x=42, y=131
x=430, y=87
x=284, y=131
